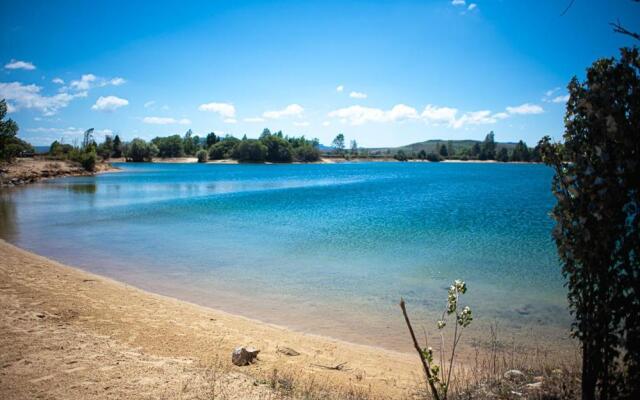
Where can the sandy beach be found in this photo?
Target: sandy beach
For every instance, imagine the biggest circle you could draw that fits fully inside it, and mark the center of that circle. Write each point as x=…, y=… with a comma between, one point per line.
x=67, y=333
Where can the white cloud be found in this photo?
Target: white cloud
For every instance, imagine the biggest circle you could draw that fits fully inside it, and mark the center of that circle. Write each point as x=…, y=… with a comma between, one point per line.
x=439, y=115
x=28, y=96
x=358, y=95
x=560, y=99
x=58, y=81
x=472, y=6
x=84, y=83
x=525, y=108
x=15, y=64
x=230, y=120
x=89, y=81
x=358, y=115
x=149, y=103
x=117, y=81
x=254, y=119
x=292, y=110
x=550, y=92
x=224, y=110
x=458, y=2
x=303, y=123
x=66, y=134
x=165, y=121
x=475, y=118
x=326, y=123
x=501, y=115
x=109, y=103
x=340, y=89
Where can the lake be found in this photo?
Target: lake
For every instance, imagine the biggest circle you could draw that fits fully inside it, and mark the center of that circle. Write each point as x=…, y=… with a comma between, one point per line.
x=322, y=248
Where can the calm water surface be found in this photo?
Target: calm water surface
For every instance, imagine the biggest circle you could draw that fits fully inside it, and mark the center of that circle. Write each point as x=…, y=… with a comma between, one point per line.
x=327, y=249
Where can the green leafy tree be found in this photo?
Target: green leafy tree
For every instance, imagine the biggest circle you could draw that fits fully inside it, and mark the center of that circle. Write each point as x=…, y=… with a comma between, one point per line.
x=117, y=147
x=475, y=150
x=597, y=232
x=422, y=154
x=503, y=155
x=139, y=150
x=278, y=149
x=521, y=152
x=354, y=148
x=211, y=139
x=105, y=149
x=224, y=148
x=488, y=148
x=401, y=156
x=250, y=150
x=202, y=156
x=170, y=146
x=338, y=144
x=443, y=151
x=10, y=145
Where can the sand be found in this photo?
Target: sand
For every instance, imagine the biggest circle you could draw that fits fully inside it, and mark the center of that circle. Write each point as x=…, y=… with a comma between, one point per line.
x=66, y=333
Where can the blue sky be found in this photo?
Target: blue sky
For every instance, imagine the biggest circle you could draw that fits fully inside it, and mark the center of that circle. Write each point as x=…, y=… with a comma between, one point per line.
x=384, y=73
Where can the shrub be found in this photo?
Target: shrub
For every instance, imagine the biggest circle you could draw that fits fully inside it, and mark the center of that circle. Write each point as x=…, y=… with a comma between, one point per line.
x=434, y=157
x=223, y=148
x=250, y=150
x=278, y=149
x=307, y=153
x=88, y=160
x=202, y=156
x=401, y=156
x=139, y=150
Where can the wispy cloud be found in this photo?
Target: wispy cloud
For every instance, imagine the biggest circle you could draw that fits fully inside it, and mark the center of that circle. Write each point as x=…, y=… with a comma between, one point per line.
x=165, y=121
x=340, y=88
x=472, y=6
x=15, y=64
x=109, y=103
x=89, y=81
x=525, y=108
x=254, y=119
x=358, y=95
x=302, y=123
x=149, y=104
x=21, y=96
x=292, y=110
x=560, y=99
x=224, y=110
x=358, y=115
x=58, y=81
x=458, y=2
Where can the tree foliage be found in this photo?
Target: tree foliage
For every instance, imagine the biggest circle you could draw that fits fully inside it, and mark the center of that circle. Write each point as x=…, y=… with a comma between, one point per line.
x=338, y=143
x=597, y=186
x=138, y=150
x=10, y=145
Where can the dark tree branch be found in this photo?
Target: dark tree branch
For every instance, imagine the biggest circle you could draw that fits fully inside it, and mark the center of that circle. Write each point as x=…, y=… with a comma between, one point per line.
x=618, y=28
x=568, y=7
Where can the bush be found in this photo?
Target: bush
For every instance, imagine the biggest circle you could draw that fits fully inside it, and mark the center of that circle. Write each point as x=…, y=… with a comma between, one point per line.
x=278, y=149
x=307, y=153
x=139, y=150
x=401, y=156
x=202, y=156
x=223, y=148
x=88, y=160
x=433, y=157
x=250, y=150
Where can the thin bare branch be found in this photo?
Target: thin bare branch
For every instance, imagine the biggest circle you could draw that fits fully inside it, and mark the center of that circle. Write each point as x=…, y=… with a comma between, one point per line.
x=618, y=28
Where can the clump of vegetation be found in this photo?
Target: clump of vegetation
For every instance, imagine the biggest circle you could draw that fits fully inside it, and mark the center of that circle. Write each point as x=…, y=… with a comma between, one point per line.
x=401, y=156
x=597, y=232
x=10, y=145
x=202, y=156
x=138, y=150
x=438, y=377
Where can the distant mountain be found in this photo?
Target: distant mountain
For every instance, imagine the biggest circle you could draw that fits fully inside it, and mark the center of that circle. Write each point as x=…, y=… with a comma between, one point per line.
x=434, y=146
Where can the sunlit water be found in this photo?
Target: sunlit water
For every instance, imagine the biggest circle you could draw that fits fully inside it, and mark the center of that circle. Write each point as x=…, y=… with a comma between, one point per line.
x=326, y=249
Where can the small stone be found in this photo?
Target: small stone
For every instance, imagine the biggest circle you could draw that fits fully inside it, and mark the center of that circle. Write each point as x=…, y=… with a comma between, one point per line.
x=534, y=386
x=242, y=356
x=514, y=375
x=287, y=351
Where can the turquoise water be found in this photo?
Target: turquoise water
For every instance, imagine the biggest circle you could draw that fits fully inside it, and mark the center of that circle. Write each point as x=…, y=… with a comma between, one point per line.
x=326, y=249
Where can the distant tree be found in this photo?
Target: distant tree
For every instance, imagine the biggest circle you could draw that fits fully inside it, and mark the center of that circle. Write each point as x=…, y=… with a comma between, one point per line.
x=503, y=155
x=202, y=156
x=597, y=232
x=354, y=148
x=139, y=150
x=278, y=149
x=488, y=148
x=250, y=150
x=224, y=148
x=401, y=156
x=450, y=150
x=434, y=157
x=265, y=133
x=170, y=146
x=475, y=150
x=520, y=152
x=87, y=139
x=10, y=145
x=188, y=146
x=211, y=139
x=307, y=153
x=105, y=149
x=117, y=147
x=443, y=151
x=338, y=143
x=422, y=155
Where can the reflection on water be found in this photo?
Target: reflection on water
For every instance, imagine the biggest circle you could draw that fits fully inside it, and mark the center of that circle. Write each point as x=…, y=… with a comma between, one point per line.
x=8, y=224
x=327, y=249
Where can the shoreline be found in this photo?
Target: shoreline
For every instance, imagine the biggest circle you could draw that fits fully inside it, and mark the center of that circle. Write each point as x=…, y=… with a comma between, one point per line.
x=162, y=326
x=24, y=171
